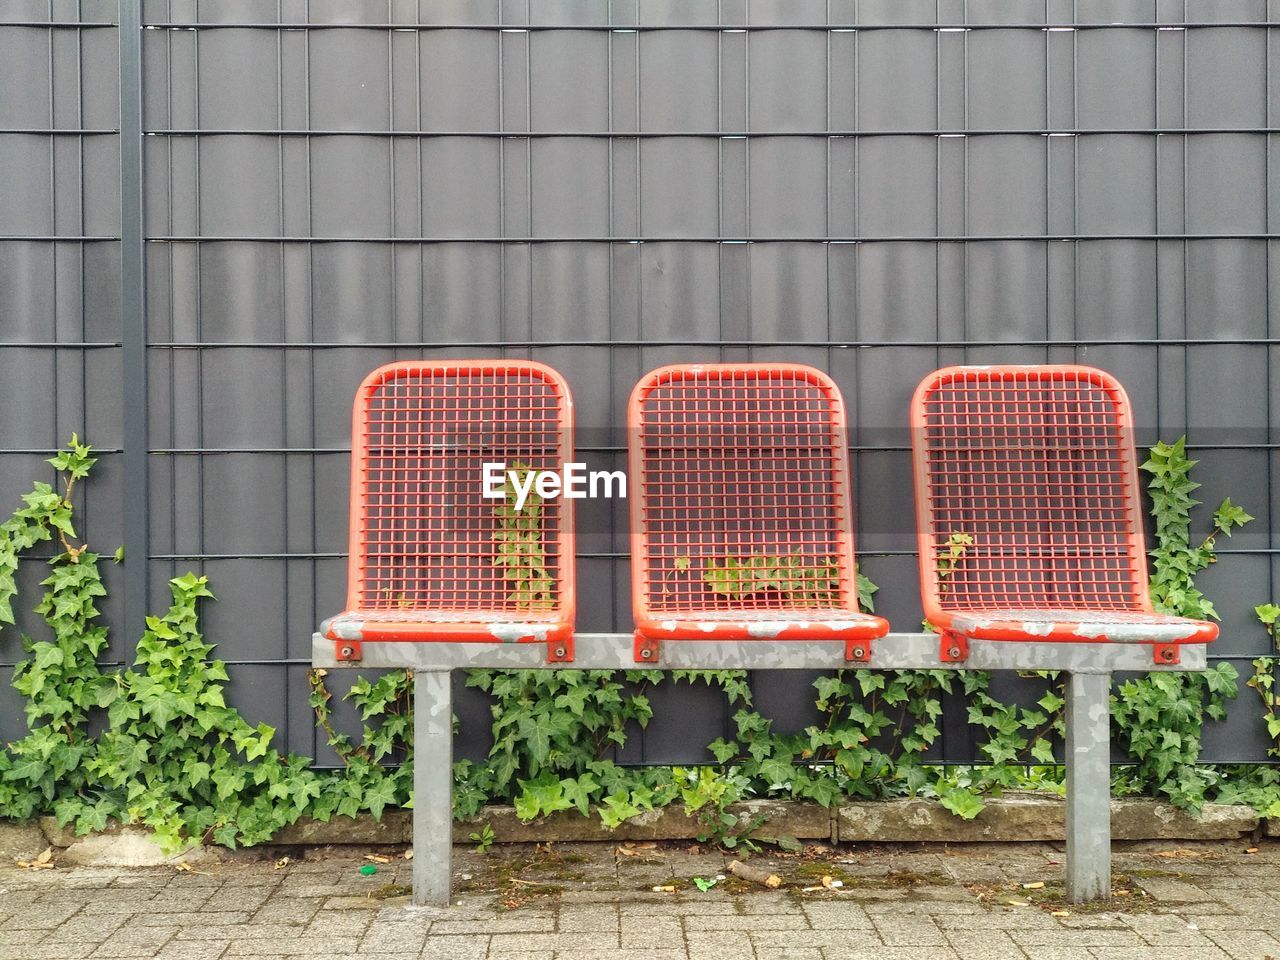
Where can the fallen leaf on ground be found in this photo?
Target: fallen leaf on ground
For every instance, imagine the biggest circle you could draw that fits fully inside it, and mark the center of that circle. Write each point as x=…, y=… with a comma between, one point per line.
x=635, y=849
x=42, y=862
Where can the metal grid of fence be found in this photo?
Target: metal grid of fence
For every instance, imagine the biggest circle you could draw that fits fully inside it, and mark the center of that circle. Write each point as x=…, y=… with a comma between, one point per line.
x=874, y=187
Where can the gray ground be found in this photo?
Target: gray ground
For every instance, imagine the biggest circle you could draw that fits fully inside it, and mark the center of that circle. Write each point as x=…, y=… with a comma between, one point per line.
x=595, y=902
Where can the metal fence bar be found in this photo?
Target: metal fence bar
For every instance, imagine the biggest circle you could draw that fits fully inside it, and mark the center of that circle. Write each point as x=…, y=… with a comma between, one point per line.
x=133, y=323
x=959, y=27
x=59, y=24
x=623, y=343
x=59, y=131
x=955, y=133
x=675, y=238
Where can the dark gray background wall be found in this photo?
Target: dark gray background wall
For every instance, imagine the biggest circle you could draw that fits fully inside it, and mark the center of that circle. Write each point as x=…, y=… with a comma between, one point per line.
x=876, y=187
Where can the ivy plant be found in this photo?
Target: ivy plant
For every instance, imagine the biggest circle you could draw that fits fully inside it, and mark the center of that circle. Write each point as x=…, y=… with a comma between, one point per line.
x=1159, y=717
x=520, y=552
x=158, y=743
x=1263, y=680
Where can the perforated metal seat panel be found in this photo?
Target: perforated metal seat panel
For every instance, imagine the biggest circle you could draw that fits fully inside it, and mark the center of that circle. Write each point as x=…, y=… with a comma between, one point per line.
x=432, y=558
x=740, y=506
x=1029, y=510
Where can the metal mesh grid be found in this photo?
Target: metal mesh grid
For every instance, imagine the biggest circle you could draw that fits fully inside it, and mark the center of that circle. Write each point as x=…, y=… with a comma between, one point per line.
x=1029, y=480
x=426, y=543
x=741, y=487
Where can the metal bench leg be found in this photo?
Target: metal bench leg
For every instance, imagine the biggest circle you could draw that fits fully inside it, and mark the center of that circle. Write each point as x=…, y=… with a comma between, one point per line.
x=1088, y=787
x=432, y=787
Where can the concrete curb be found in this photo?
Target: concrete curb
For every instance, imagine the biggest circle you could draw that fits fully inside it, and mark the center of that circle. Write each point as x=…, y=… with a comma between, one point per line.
x=20, y=841
x=1030, y=817
x=116, y=846
x=1012, y=818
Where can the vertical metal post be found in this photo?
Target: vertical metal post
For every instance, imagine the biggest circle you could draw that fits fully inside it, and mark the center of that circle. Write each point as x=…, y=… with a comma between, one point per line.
x=1088, y=787
x=432, y=787
x=133, y=319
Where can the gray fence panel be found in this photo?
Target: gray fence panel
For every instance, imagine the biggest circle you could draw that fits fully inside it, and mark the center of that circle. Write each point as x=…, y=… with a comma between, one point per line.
x=921, y=183
x=59, y=281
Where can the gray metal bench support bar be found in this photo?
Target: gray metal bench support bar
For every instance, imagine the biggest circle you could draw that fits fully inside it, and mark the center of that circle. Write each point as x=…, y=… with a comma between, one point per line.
x=432, y=786
x=1090, y=665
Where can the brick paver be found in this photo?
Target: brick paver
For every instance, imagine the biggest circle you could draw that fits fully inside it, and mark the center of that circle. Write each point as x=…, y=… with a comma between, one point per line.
x=1209, y=901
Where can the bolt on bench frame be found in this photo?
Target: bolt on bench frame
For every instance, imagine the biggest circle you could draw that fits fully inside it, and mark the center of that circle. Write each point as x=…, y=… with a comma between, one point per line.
x=453, y=644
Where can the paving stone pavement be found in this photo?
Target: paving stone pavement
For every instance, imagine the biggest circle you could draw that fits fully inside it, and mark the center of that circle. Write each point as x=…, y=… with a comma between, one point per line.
x=597, y=902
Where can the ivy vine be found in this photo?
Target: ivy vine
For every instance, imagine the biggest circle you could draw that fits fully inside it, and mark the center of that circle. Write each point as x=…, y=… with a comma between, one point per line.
x=157, y=743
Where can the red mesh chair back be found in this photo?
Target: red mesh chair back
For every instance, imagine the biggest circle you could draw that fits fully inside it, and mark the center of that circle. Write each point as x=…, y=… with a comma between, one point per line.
x=432, y=557
x=741, y=504
x=1027, y=491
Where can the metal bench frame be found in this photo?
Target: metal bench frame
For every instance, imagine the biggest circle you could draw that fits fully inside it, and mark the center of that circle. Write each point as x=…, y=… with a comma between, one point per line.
x=1088, y=717
x=1088, y=664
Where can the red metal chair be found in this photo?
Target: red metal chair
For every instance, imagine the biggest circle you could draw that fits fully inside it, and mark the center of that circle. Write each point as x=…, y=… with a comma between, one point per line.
x=740, y=508
x=433, y=558
x=1029, y=511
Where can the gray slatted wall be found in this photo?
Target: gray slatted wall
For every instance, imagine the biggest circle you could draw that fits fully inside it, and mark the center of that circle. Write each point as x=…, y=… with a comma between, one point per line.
x=876, y=187
x=60, y=331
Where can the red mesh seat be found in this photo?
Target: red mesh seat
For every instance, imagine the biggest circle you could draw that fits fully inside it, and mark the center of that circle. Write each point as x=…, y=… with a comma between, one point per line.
x=433, y=558
x=1029, y=510
x=740, y=506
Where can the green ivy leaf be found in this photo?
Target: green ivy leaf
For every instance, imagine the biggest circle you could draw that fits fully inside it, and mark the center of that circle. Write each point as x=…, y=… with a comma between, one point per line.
x=962, y=802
